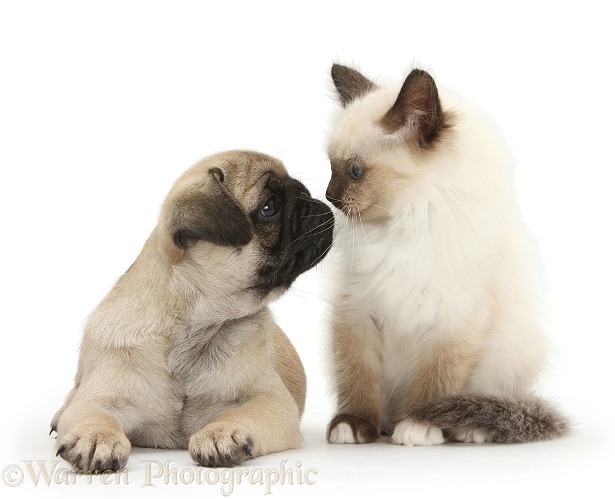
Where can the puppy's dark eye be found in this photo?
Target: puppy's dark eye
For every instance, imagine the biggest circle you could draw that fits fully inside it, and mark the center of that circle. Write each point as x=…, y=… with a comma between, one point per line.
x=270, y=208
x=356, y=170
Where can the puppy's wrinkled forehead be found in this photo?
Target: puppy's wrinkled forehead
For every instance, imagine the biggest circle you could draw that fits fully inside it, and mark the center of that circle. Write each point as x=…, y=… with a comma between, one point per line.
x=248, y=174
x=244, y=174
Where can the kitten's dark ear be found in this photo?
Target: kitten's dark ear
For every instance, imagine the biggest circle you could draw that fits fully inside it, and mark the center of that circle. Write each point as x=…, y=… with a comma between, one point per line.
x=417, y=108
x=209, y=212
x=350, y=84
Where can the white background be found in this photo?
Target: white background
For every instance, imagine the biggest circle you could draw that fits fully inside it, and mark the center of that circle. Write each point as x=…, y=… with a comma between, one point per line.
x=104, y=104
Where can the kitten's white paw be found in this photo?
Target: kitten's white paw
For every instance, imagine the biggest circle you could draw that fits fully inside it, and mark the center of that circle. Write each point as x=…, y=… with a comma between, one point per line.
x=410, y=433
x=473, y=436
x=351, y=429
x=342, y=434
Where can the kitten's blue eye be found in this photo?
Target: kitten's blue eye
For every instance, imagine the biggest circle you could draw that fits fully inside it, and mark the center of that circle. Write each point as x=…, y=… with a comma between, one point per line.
x=270, y=208
x=356, y=170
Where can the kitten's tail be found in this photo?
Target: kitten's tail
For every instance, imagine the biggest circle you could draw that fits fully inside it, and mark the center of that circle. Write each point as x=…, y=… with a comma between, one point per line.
x=508, y=420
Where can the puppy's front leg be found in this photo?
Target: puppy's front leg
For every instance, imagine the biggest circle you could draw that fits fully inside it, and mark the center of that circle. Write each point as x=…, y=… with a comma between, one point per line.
x=263, y=425
x=90, y=438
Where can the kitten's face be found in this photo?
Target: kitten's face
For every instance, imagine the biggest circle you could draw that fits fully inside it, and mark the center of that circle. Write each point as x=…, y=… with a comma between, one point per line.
x=364, y=173
x=379, y=140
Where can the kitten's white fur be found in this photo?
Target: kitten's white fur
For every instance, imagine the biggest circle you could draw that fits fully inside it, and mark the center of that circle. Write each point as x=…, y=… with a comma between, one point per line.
x=450, y=255
x=342, y=434
x=411, y=433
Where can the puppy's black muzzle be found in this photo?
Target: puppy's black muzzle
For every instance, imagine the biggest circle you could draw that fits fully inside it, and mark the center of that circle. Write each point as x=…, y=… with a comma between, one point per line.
x=307, y=236
x=311, y=232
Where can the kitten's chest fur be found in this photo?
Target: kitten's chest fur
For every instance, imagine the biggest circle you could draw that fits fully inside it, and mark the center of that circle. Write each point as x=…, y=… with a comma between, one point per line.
x=409, y=285
x=418, y=298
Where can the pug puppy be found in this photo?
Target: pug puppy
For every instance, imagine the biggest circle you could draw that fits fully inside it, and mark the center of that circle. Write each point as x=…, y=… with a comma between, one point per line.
x=183, y=352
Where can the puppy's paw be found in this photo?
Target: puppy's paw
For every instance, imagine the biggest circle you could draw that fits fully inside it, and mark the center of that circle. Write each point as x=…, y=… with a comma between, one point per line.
x=94, y=449
x=407, y=432
x=349, y=429
x=221, y=444
x=473, y=436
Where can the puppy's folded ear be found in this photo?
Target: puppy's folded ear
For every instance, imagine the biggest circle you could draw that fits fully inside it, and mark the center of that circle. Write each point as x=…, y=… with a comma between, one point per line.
x=209, y=212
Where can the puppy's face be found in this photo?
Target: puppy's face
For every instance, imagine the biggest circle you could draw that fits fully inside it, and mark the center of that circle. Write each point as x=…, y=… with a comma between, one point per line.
x=239, y=223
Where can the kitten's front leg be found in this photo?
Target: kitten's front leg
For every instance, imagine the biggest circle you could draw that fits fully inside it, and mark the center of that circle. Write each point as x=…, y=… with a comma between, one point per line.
x=357, y=368
x=445, y=370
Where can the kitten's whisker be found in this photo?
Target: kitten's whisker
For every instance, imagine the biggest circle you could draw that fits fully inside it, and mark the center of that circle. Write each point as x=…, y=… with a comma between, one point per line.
x=341, y=231
x=329, y=247
x=311, y=200
x=347, y=211
x=381, y=207
x=318, y=215
x=352, y=255
x=332, y=219
x=320, y=232
x=371, y=256
x=359, y=245
x=323, y=253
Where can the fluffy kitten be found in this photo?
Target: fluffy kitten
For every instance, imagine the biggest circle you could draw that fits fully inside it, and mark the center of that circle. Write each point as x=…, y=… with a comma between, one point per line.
x=435, y=333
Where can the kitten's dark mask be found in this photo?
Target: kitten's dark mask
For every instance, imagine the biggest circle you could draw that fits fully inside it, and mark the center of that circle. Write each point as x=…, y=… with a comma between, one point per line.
x=343, y=174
